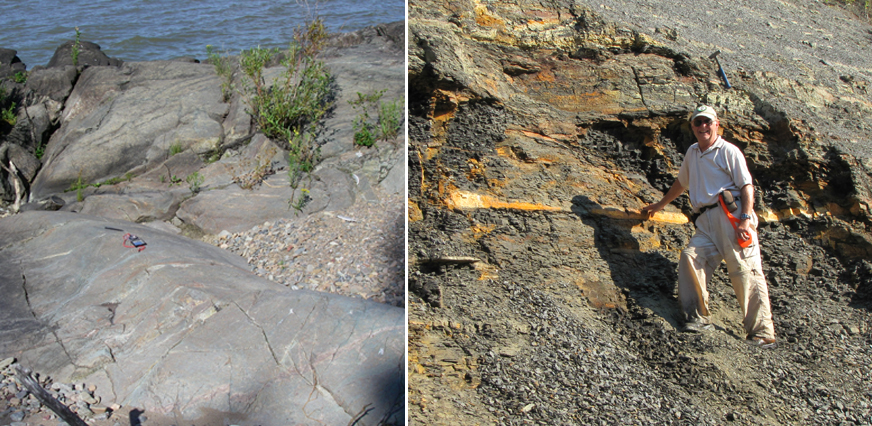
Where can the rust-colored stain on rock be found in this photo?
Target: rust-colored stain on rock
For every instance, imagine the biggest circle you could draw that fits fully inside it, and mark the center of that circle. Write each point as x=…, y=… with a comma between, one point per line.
x=484, y=18
x=415, y=213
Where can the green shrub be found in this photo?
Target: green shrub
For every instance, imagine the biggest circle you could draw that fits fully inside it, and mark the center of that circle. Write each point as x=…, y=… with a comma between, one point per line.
x=289, y=109
x=20, y=77
x=364, y=136
x=299, y=97
x=302, y=158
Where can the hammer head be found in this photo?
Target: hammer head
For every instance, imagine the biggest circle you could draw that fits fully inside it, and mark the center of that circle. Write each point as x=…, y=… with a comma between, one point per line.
x=715, y=55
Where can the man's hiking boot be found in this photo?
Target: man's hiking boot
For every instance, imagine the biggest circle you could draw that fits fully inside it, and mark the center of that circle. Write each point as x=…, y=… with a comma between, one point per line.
x=696, y=326
x=761, y=342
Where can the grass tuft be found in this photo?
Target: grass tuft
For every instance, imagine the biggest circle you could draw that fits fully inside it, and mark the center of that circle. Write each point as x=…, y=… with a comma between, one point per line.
x=385, y=126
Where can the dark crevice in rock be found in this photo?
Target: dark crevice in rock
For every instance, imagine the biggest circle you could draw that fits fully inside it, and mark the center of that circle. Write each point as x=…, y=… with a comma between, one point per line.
x=27, y=296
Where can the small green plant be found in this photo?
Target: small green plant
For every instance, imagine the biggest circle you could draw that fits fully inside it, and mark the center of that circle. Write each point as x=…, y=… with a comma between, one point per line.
x=301, y=201
x=224, y=69
x=176, y=148
x=364, y=136
x=194, y=181
x=365, y=127
x=20, y=77
x=302, y=158
x=77, y=48
x=253, y=62
x=39, y=151
x=385, y=126
x=175, y=180
x=213, y=157
x=79, y=186
x=214, y=154
x=390, y=118
x=114, y=181
x=8, y=114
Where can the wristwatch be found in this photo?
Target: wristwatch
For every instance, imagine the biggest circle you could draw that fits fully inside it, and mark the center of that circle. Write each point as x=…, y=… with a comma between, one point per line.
x=744, y=216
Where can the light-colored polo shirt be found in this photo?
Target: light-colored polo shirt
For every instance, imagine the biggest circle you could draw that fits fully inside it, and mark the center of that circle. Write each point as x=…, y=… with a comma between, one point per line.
x=705, y=174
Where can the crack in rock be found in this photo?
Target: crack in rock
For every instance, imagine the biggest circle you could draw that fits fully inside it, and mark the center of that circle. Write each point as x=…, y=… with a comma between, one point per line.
x=262, y=332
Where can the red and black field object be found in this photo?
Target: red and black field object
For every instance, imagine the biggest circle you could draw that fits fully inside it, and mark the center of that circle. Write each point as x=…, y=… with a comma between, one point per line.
x=130, y=240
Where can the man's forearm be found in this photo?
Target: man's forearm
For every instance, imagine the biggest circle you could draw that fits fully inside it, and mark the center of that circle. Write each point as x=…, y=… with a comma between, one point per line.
x=747, y=194
x=670, y=195
x=674, y=192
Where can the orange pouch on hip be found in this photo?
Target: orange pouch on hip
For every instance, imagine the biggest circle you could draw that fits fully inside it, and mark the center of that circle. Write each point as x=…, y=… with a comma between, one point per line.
x=734, y=222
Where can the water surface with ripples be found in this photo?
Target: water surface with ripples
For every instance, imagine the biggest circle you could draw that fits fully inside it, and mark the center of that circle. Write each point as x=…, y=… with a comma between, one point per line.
x=146, y=30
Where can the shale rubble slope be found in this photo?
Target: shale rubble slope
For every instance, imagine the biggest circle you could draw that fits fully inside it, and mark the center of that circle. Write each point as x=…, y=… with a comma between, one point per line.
x=538, y=130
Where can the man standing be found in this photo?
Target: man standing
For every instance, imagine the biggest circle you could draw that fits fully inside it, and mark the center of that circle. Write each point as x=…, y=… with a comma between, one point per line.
x=710, y=167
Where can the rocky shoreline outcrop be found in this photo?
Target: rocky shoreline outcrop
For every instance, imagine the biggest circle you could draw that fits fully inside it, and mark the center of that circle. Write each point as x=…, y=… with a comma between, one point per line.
x=156, y=149
x=538, y=295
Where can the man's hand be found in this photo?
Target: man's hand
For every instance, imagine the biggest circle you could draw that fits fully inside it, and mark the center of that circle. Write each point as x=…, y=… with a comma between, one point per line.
x=674, y=191
x=649, y=210
x=743, y=231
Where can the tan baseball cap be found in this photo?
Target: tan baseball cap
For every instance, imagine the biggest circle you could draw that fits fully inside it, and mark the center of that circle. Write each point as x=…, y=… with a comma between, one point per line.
x=704, y=111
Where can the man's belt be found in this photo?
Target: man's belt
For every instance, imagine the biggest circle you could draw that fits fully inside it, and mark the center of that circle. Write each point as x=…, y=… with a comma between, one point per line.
x=704, y=208
x=729, y=199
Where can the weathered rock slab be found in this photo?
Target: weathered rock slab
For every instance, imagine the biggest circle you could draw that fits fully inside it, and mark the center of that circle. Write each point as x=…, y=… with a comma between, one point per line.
x=127, y=119
x=184, y=328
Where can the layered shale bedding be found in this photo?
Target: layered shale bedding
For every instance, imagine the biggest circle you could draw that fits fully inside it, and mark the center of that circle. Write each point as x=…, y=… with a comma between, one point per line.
x=538, y=292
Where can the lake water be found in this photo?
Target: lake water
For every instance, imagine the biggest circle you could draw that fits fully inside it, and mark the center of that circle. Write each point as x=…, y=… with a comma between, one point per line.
x=145, y=30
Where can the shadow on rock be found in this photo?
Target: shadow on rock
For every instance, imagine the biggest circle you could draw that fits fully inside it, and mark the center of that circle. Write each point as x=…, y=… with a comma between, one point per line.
x=645, y=278
x=135, y=417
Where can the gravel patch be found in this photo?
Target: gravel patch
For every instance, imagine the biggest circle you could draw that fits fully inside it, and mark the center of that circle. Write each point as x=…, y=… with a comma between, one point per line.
x=358, y=253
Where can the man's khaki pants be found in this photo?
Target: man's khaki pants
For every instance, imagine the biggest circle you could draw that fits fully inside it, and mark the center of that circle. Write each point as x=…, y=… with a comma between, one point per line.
x=715, y=240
